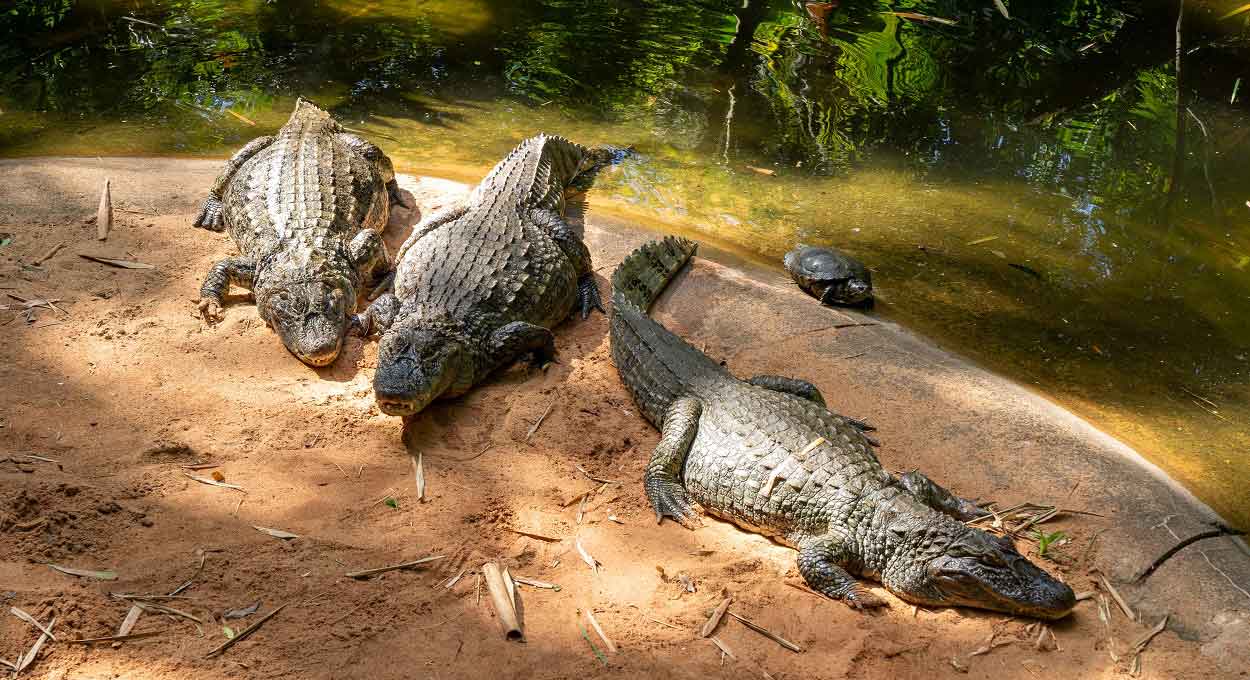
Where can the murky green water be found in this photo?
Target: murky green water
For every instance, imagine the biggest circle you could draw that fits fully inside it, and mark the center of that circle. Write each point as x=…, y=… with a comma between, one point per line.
x=1007, y=179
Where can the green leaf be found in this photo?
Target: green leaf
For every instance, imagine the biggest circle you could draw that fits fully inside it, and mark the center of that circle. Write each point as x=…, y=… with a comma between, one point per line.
x=392, y=503
x=228, y=631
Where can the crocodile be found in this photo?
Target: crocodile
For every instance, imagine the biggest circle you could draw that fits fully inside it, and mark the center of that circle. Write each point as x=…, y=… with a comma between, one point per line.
x=306, y=208
x=768, y=456
x=480, y=283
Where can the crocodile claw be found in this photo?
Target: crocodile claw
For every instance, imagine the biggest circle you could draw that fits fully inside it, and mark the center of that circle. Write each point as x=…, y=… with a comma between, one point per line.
x=863, y=599
x=211, y=215
x=209, y=310
x=588, y=295
x=670, y=499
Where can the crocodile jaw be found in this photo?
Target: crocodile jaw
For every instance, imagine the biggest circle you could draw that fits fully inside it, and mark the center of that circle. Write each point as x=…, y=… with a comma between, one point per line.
x=980, y=570
x=415, y=367
x=311, y=318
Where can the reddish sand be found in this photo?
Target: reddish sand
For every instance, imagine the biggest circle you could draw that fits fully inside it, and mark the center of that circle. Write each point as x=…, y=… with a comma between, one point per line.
x=123, y=386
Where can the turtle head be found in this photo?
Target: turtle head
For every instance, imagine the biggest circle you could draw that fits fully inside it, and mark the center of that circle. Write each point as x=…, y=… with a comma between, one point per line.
x=853, y=291
x=311, y=316
x=416, y=365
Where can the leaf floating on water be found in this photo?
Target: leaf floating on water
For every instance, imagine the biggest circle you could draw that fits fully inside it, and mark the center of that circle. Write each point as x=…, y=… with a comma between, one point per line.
x=916, y=16
x=1242, y=262
x=1002, y=9
x=276, y=533
x=1240, y=10
x=762, y=171
x=979, y=241
x=86, y=573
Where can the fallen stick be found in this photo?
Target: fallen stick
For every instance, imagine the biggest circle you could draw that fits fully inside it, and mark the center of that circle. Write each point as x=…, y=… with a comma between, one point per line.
x=48, y=255
x=117, y=638
x=534, y=583
x=124, y=264
x=1219, y=530
x=538, y=423
x=23, y=662
x=541, y=537
x=213, y=482
x=720, y=645
x=1115, y=595
x=767, y=633
x=502, y=599
x=104, y=214
x=31, y=620
x=162, y=609
x=393, y=567
x=220, y=649
x=1140, y=644
x=594, y=623
x=418, y=472
x=714, y=620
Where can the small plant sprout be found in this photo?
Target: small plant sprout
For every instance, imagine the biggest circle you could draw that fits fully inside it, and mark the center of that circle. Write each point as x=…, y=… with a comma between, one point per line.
x=1045, y=540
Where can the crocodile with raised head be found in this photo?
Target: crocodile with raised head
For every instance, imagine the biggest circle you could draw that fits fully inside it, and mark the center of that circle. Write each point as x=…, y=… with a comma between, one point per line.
x=306, y=208
x=481, y=283
x=767, y=455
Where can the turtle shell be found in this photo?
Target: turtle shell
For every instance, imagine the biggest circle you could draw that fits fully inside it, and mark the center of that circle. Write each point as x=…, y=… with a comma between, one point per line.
x=822, y=265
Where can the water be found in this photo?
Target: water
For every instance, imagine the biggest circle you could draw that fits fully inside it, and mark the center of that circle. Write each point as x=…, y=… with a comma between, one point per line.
x=1012, y=183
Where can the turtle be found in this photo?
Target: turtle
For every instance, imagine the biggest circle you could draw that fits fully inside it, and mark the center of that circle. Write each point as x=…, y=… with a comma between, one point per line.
x=830, y=276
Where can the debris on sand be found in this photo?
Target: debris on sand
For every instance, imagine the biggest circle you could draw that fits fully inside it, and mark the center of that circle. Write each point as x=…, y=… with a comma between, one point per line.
x=114, y=262
x=241, y=635
x=594, y=623
x=503, y=598
x=103, y=575
x=394, y=567
x=714, y=620
x=104, y=213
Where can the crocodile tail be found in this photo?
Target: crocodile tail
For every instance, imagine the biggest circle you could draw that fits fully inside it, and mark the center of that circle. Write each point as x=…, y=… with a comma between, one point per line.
x=656, y=365
x=643, y=275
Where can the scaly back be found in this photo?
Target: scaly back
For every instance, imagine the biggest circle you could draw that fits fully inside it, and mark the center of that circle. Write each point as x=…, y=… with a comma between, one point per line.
x=534, y=175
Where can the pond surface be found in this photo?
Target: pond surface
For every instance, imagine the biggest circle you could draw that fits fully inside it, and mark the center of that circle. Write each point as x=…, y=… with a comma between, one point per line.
x=1021, y=180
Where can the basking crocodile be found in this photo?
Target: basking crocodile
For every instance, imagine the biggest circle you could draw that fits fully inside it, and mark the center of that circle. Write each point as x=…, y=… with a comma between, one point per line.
x=306, y=208
x=767, y=455
x=479, y=284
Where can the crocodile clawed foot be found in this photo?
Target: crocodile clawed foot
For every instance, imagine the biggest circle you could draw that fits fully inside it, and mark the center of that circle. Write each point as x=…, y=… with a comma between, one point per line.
x=211, y=215
x=588, y=296
x=862, y=599
x=670, y=500
x=209, y=310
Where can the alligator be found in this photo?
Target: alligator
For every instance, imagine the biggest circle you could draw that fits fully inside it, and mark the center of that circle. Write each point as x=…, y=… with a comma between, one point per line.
x=306, y=208
x=768, y=456
x=479, y=284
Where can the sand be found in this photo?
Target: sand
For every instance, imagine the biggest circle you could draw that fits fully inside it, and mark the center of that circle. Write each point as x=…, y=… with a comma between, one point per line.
x=122, y=386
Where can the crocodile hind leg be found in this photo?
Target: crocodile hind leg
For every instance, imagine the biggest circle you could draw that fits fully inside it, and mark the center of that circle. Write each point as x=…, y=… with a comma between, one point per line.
x=212, y=214
x=377, y=318
x=240, y=271
x=378, y=159
x=367, y=253
x=575, y=249
x=512, y=341
x=931, y=494
x=820, y=562
x=662, y=480
x=780, y=383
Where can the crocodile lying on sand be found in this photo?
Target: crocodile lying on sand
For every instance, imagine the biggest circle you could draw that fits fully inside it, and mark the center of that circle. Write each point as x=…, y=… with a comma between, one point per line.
x=306, y=208
x=480, y=284
x=767, y=455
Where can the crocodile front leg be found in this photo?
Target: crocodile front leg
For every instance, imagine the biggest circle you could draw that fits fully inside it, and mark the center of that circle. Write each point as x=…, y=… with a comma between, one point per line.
x=575, y=249
x=377, y=318
x=931, y=494
x=662, y=480
x=367, y=253
x=212, y=215
x=512, y=341
x=240, y=271
x=820, y=561
x=780, y=383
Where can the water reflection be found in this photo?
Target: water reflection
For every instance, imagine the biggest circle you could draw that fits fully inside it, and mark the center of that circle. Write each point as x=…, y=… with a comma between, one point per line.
x=1013, y=182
